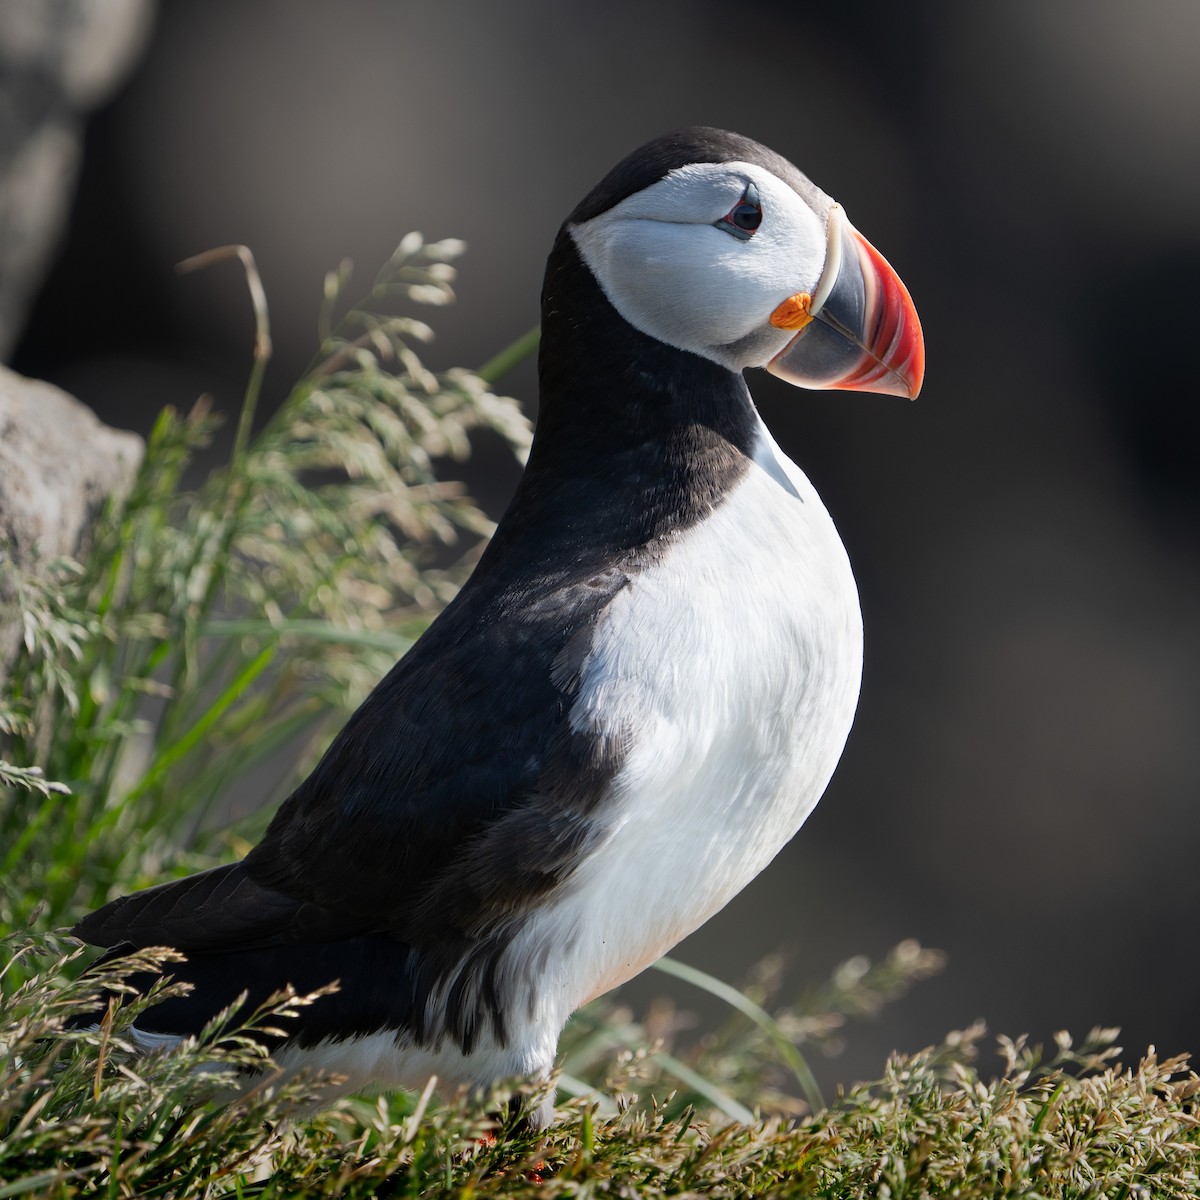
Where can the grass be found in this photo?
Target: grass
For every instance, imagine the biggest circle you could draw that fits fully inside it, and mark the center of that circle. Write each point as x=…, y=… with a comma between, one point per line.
x=207, y=631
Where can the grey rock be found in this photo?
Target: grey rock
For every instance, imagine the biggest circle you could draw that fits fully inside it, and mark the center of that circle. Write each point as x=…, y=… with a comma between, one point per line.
x=58, y=59
x=58, y=466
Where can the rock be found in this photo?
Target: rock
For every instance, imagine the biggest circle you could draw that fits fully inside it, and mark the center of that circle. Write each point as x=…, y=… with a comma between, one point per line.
x=58, y=59
x=58, y=465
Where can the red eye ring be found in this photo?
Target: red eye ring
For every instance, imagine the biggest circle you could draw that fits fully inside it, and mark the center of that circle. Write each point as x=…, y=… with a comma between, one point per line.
x=744, y=217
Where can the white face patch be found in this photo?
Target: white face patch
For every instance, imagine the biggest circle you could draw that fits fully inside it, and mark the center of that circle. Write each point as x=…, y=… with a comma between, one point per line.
x=668, y=269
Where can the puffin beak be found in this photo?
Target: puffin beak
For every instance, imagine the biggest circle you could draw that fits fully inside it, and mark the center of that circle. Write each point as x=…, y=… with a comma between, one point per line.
x=859, y=331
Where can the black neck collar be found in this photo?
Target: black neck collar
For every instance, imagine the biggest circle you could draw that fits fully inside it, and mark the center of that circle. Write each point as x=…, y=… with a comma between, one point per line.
x=635, y=440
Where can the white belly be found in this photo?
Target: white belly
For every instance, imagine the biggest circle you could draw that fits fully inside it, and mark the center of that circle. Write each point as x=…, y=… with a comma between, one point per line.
x=733, y=668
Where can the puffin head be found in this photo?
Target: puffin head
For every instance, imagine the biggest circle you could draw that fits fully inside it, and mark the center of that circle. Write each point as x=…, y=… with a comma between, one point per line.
x=709, y=242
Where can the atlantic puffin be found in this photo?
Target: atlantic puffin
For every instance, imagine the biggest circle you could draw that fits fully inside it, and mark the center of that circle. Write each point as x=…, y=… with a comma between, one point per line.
x=635, y=700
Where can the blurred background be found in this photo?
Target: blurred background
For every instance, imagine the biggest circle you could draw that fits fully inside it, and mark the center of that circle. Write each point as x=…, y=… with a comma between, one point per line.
x=1020, y=788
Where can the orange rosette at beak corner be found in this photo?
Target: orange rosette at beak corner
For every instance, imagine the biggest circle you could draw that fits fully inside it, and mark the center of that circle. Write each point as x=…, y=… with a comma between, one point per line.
x=859, y=331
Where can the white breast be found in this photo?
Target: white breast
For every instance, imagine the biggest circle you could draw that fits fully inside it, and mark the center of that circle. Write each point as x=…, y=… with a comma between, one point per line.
x=732, y=669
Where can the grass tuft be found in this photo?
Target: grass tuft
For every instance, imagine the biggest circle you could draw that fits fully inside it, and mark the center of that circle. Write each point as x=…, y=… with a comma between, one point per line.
x=82, y=1113
x=203, y=630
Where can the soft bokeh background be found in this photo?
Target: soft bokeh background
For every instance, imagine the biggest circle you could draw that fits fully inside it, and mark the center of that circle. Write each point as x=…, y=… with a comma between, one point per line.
x=1021, y=785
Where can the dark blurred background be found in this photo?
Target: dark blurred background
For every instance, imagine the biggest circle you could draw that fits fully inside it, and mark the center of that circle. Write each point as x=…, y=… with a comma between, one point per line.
x=1020, y=788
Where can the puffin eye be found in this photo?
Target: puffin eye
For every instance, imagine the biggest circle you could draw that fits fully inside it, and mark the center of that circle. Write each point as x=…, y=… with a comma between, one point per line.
x=744, y=217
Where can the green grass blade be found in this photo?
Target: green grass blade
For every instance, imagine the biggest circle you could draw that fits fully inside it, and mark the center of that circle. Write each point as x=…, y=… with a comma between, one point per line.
x=756, y=1013
x=172, y=754
x=33, y=1183
x=310, y=628
x=512, y=355
x=705, y=1087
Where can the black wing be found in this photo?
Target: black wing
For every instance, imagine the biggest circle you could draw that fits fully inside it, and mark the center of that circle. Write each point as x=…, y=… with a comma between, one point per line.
x=453, y=799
